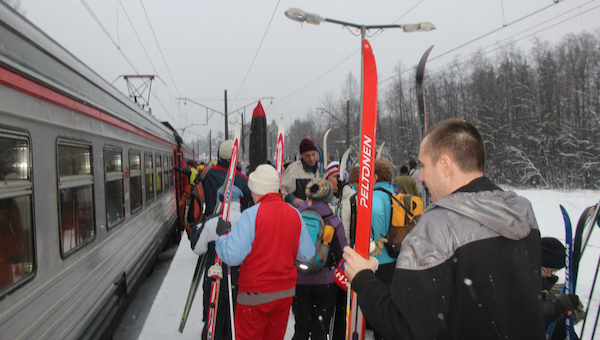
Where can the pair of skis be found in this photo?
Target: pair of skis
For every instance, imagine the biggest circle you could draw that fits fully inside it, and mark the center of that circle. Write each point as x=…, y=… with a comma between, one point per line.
x=573, y=251
x=215, y=271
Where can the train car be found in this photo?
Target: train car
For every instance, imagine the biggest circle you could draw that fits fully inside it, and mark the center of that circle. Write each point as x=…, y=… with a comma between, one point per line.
x=88, y=191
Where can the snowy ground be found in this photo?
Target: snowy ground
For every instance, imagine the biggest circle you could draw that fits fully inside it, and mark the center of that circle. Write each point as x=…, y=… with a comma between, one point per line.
x=165, y=315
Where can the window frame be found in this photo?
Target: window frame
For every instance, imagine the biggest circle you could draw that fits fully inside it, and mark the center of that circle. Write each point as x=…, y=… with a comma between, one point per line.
x=113, y=176
x=22, y=188
x=136, y=173
x=150, y=171
x=158, y=174
x=75, y=181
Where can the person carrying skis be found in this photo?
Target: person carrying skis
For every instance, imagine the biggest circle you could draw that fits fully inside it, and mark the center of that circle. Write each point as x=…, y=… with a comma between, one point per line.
x=466, y=270
x=316, y=292
x=266, y=240
x=298, y=174
x=554, y=303
x=212, y=184
x=216, y=175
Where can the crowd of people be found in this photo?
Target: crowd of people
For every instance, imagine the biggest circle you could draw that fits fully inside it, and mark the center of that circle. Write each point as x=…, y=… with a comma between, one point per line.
x=474, y=267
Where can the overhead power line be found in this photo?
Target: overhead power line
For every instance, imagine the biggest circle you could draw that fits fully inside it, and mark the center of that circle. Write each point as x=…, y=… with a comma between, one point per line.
x=510, y=41
x=465, y=58
x=162, y=55
x=452, y=50
x=108, y=34
x=494, y=31
x=348, y=57
x=146, y=52
x=138, y=36
x=256, y=54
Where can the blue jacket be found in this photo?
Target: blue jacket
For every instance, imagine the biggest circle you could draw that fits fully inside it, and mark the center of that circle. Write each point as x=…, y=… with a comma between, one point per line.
x=380, y=218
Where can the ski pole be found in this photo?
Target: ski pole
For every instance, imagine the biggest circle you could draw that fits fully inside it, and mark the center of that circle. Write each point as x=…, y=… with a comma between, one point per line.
x=231, y=303
x=589, y=303
x=590, y=225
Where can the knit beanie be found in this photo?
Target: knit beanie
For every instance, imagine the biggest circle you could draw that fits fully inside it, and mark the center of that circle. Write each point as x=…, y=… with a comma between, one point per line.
x=404, y=169
x=264, y=180
x=332, y=168
x=225, y=149
x=319, y=190
x=307, y=145
x=553, y=253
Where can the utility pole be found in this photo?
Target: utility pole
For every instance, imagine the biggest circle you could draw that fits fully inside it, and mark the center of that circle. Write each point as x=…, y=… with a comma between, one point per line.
x=348, y=124
x=226, y=128
x=209, y=146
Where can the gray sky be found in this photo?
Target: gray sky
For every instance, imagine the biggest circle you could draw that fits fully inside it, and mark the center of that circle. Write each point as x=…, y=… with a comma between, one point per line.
x=212, y=46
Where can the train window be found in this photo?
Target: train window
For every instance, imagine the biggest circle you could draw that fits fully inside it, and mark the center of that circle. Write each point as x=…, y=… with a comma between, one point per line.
x=113, y=186
x=149, y=172
x=166, y=172
x=135, y=180
x=172, y=174
x=16, y=216
x=159, y=178
x=76, y=199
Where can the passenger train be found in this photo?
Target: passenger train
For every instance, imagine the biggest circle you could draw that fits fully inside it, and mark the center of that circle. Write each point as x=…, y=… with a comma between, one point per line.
x=88, y=191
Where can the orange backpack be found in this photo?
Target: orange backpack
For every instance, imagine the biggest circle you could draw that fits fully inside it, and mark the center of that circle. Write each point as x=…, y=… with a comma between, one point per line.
x=405, y=213
x=191, y=204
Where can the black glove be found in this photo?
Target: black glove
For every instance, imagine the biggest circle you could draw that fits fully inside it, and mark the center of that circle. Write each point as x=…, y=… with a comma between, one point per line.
x=549, y=282
x=223, y=227
x=566, y=302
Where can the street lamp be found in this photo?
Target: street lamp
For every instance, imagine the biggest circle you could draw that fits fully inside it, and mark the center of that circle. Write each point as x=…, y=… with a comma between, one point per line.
x=311, y=18
x=339, y=120
x=315, y=19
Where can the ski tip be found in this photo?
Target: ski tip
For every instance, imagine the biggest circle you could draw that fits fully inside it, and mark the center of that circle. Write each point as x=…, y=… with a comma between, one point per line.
x=366, y=44
x=258, y=111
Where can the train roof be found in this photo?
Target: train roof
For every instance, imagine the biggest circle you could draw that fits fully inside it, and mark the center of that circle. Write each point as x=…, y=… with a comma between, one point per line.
x=28, y=51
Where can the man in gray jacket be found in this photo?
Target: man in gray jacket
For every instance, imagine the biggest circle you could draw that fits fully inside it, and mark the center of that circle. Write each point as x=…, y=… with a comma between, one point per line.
x=470, y=269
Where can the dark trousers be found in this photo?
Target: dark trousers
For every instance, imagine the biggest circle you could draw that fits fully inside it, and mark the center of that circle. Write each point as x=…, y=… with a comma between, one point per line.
x=339, y=319
x=223, y=322
x=313, y=308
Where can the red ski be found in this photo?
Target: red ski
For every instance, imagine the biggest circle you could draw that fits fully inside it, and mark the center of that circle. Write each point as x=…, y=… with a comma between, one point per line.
x=280, y=147
x=216, y=270
x=356, y=321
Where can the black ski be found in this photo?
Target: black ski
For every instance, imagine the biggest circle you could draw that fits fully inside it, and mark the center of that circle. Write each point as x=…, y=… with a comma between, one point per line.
x=423, y=105
x=193, y=289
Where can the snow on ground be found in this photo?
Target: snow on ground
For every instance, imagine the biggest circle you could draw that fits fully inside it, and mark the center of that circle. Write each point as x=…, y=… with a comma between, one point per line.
x=165, y=315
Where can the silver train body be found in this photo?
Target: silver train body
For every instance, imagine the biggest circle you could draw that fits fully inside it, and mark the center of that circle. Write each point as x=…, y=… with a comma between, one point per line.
x=88, y=194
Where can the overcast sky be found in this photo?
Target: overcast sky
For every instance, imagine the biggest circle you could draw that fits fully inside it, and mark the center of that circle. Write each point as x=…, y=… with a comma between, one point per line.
x=207, y=47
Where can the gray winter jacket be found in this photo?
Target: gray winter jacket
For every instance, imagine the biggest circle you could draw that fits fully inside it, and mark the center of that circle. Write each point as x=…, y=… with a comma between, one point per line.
x=470, y=269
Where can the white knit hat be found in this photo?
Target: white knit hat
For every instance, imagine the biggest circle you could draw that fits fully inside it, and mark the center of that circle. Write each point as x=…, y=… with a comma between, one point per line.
x=263, y=180
x=225, y=149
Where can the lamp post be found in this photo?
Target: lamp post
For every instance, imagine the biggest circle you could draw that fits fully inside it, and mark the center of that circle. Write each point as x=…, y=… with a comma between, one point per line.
x=311, y=18
x=339, y=120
